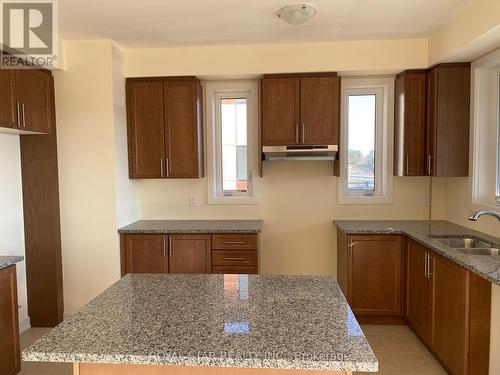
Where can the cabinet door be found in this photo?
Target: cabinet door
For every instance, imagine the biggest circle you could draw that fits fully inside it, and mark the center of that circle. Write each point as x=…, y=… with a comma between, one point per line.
x=448, y=120
x=374, y=275
x=319, y=108
x=280, y=111
x=410, y=124
x=183, y=129
x=8, y=116
x=190, y=254
x=33, y=89
x=451, y=314
x=418, y=292
x=10, y=361
x=146, y=253
x=146, y=138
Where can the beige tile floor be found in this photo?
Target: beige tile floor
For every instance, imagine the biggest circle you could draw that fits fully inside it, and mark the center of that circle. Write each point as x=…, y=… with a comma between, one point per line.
x=398, y=350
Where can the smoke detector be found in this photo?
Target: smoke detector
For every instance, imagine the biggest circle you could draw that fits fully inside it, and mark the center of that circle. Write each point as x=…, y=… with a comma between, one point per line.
x=296, y=14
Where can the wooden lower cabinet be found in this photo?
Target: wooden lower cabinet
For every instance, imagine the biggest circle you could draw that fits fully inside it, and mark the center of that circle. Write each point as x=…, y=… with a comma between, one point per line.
x=450, y=314
x=145, y=253
x=418, y=291
x=189, y=253
x=374, y=275
x=10, y=360
x=446, y=305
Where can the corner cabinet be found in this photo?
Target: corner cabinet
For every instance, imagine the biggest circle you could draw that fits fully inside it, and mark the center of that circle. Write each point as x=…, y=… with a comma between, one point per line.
x=432, y=121
x=164, y=117
x=373, y=282
x=189, y=253
x=26, y=97
x=300, y=109
x=10, y=358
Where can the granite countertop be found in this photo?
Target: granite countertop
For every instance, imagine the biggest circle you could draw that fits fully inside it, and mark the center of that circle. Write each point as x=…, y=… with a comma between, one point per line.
x=6, y=261
x=251, y=321
x=193, y=226
x=420, y=231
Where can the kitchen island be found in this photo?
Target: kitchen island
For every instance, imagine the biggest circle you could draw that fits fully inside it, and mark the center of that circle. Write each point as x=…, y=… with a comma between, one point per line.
x=211, y=324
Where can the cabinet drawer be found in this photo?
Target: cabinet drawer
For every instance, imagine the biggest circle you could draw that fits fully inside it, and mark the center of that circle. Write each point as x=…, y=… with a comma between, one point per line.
x=234, y=270
x=234, y=258
x=234, y=241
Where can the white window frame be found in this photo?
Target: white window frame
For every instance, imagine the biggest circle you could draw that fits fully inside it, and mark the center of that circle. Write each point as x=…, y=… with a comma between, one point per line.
x=214, y=92
x=383, y=89
x=485, y=138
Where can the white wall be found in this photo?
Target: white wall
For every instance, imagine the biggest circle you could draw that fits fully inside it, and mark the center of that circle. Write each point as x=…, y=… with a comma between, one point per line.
x=11, y=215
x=91, y=152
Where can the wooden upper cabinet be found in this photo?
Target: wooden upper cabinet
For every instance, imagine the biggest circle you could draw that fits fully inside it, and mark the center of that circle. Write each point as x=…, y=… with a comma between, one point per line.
x=146, y=129
x=280, y=111
x=319, y=110
x=451, y=306
x=10, y=359
x=27, y=100
x=374, y=275
x=190, y=253
x=300, y=109
x=410, y=124
x=145, y=253
x=8, y=116
x=418, y=290
x=165, y=137
x=448, y=123
x=183, y=133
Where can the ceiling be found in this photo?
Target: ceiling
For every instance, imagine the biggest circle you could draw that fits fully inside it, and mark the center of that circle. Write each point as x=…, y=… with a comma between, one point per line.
x=162, y=23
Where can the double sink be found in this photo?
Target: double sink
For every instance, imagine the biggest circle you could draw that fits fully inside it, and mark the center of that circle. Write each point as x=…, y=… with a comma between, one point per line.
x=468, y=245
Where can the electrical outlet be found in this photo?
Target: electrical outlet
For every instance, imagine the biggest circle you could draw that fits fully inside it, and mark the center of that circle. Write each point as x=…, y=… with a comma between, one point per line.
x=193, y=200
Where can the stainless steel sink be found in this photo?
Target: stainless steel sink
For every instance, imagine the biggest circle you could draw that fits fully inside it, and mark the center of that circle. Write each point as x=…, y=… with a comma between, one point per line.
x=464, y=242
x=477, y=251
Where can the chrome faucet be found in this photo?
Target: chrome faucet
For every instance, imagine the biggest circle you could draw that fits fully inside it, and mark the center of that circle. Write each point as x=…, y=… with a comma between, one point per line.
x=477, y=215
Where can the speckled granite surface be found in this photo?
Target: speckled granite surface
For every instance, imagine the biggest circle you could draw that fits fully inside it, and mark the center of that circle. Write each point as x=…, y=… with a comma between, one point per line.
x=6, y=261
x=483, y=265
x=253, y=321
x=193, y=226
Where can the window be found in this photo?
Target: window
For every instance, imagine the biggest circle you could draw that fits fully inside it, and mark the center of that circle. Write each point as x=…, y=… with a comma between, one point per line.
x=497, y=192
x=232, y=128
x=366, y=144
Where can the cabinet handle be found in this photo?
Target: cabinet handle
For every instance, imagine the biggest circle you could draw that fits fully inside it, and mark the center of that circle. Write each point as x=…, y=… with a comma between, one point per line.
x=426, y=264
x=18, y=110
x=407, y=165
x=170, y=250
x=303, y=132
x=429, y=164
x=24, y=115
x=234, y=242
x=162, y=166
x=165, y=247
x=429, y=271
x=167, y=165
x=230, y=258
x=297, y=133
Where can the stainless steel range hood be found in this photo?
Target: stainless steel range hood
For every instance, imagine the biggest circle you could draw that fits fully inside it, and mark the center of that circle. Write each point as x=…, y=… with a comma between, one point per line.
x=301, y=152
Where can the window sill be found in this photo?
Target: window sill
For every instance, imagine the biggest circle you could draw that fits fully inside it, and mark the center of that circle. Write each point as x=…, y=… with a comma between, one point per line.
x=364, y=200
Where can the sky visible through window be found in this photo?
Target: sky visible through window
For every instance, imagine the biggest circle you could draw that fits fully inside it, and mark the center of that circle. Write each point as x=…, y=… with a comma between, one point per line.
x=361, y=142
x=234, y=144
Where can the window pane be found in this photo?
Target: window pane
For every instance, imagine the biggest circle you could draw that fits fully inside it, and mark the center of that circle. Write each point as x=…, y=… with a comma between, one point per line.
x=361, y=143
x=234, y=144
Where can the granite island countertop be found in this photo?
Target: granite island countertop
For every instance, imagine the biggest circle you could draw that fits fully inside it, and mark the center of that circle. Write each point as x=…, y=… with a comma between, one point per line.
x=193, y=226
x=9, y=260
x=485, y=266
x=250, y=321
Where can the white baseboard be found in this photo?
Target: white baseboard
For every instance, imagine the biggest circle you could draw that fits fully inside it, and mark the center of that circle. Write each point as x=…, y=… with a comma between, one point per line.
x=24, y=324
